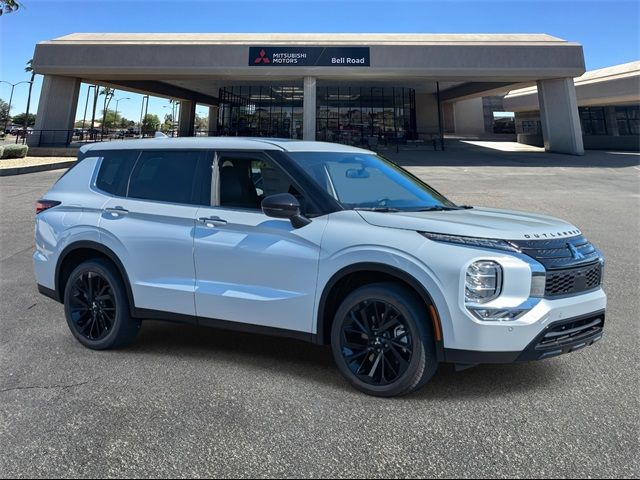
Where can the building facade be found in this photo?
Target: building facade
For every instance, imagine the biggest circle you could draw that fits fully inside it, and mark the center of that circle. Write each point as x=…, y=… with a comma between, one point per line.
x=608, y=107
x=360, y=89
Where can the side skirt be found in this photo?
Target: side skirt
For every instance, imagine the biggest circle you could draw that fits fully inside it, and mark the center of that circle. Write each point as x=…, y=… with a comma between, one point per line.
x=147, y=314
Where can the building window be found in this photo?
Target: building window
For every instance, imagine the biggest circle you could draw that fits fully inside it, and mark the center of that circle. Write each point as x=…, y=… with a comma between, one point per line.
x=260, y=111
x=593, y=121
x=529, y=127
x=628, y=119
x=350, y=115
x=365, y=115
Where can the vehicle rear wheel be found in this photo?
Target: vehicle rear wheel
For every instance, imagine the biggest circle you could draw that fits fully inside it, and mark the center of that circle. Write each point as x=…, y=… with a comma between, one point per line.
x=382, y=340
x=97, y=308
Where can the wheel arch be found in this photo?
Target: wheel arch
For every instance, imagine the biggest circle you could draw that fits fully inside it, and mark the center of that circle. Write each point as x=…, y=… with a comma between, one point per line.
x=80, y=251
x=359, y=274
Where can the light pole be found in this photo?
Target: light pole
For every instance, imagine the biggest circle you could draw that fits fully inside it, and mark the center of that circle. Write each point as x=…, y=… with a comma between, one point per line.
x=145, y=99
x=116, y=115
x=86, y=104
x=13, y=85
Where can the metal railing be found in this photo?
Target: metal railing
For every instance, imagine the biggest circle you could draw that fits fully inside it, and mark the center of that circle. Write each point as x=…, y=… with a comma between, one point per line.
x=78, y=137
x=75, y=137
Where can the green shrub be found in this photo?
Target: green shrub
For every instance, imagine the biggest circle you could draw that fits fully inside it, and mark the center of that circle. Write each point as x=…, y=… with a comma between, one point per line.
x=1, y=150
x=14, y=151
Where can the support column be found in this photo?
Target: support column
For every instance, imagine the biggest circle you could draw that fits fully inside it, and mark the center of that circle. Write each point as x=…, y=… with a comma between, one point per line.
x=309, y=109
x=56, y=112
x=213, y=121
x=187, y=119
x=559, y=116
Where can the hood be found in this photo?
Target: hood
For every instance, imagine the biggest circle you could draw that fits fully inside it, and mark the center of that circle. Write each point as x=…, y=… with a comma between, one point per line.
x=476, y=222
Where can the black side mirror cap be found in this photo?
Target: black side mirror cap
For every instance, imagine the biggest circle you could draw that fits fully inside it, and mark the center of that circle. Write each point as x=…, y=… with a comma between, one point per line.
x=284, y=205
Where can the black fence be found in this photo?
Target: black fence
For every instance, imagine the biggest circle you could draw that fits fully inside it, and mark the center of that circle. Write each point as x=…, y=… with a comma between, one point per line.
x=77, y=138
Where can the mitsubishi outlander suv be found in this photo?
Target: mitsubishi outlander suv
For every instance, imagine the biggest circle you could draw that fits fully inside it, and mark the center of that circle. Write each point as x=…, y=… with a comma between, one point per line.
x=320, y=242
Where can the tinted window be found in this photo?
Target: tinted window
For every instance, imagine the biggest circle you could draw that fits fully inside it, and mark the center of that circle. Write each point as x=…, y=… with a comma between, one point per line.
x=246, y=181
x=165, y=176
x=114, y=171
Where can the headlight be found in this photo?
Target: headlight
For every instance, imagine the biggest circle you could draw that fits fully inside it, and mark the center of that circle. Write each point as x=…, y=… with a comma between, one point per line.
x=483, y=282
x=471, y=241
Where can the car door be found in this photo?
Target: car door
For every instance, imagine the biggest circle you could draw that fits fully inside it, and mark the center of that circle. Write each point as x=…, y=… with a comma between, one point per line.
x=151, y=229
x=251, y=268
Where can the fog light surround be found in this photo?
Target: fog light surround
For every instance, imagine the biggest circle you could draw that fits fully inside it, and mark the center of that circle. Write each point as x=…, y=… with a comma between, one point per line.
x=538, y=284
x=483, y=282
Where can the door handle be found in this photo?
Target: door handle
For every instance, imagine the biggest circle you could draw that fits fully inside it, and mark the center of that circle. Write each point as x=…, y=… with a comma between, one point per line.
x=212, y=221
x=116, y=210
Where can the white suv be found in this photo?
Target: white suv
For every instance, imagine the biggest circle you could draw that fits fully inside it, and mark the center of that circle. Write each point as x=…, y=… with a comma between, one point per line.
x=316, y=241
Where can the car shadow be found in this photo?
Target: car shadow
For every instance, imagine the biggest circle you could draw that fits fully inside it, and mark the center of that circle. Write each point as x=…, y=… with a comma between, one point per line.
x=315, y=363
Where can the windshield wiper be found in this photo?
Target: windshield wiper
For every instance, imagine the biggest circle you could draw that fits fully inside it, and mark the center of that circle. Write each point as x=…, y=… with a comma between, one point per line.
x=377, y=209
x=436, y=208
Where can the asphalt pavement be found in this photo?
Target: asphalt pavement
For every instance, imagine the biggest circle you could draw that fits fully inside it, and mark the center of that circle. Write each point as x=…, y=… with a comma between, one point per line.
x=185, y=402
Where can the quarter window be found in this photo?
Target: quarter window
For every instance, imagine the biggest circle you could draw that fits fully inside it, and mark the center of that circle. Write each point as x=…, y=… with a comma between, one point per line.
x=167, y=176
x=115, y=170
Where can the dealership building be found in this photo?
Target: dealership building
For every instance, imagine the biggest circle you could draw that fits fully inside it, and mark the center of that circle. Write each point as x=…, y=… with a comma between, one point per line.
x=608, y=107
x=347, y=88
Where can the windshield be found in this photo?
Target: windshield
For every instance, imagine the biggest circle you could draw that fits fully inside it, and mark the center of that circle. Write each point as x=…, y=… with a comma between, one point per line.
x=367, y=181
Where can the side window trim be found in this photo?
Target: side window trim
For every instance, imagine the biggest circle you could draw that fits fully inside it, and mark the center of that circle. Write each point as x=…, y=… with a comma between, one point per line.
x=214, y=194
x=133, y=169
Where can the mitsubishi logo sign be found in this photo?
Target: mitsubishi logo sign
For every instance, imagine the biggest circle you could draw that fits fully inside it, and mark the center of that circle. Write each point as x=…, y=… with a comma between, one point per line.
x=262, y=57
x=303, y=56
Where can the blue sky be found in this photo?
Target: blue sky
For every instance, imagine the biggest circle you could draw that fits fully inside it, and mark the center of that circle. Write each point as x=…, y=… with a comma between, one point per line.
x=608, y=29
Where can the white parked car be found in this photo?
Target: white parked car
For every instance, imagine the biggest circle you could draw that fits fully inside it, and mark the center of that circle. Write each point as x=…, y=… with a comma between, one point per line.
x=316, y=241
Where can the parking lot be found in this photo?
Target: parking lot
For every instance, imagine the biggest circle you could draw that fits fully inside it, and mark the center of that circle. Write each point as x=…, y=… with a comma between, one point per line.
x=184, y=401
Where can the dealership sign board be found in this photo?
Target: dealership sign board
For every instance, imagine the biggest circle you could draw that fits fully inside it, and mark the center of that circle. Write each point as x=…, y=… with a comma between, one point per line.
x=309, y=56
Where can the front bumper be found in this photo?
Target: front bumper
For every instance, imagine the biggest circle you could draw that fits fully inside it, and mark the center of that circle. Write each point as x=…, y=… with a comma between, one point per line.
x=564, y=336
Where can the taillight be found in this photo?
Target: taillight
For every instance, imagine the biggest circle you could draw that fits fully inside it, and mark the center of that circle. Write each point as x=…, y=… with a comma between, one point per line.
x=42, y=205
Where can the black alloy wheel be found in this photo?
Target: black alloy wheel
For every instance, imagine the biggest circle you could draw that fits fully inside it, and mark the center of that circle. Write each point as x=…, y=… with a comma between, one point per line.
x=97, y=306
x=376, y=343
x=92, y=305
x=382, y=340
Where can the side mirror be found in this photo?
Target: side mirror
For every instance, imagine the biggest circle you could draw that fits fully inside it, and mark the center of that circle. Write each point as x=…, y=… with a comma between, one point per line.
x=284, y=205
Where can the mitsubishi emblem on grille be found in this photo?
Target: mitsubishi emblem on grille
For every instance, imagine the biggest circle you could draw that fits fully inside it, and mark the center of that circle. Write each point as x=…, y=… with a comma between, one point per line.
x=574, y=252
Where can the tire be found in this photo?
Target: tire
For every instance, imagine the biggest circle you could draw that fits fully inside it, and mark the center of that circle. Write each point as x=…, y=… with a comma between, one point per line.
x=97, y=308
x=379, y=358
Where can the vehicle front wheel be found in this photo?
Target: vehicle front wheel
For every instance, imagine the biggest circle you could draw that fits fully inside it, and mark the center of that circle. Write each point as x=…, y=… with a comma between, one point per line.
x=382, y=340
x=97, y=307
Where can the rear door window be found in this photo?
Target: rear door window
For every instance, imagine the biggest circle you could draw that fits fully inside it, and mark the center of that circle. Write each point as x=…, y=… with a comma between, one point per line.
x=167, y=176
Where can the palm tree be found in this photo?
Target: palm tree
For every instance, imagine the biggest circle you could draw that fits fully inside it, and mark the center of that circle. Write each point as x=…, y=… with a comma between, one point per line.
x=29, y=69
x=8, y=6
x=108, y=95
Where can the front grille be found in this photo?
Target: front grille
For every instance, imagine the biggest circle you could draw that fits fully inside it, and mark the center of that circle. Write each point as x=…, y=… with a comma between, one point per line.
x=573, y=280
x=555, y=253
x=560, y=336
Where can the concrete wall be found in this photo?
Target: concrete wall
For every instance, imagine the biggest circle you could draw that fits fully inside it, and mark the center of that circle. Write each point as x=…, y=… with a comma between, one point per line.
x=154, y=56
x=469, y=117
